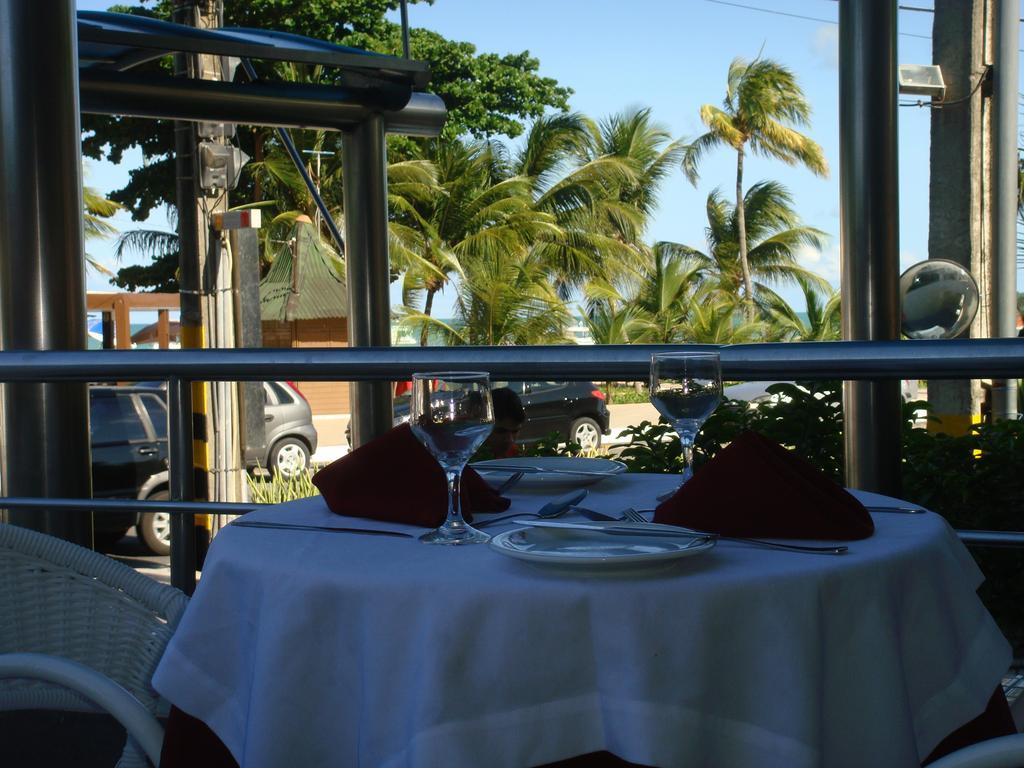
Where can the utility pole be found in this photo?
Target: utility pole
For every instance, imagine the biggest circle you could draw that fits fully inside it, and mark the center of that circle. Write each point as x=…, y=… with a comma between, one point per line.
x=964, y=221
x=207, y=314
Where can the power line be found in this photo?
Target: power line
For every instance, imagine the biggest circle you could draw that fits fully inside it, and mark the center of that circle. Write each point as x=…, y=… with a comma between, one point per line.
x=797, y=15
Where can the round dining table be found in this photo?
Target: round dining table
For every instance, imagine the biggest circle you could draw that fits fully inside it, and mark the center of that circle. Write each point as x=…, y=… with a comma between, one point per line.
x=311, y=647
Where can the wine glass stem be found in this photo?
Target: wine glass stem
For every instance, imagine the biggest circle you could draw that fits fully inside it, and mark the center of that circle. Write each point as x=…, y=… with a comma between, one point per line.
x=454, y=475
x=686, y=444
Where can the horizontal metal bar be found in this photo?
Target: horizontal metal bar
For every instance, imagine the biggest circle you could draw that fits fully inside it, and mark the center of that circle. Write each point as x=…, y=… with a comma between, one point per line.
x=851, y=360
x=109, y=29
x=119, y=505
x=1011, y=539
x=288, y=105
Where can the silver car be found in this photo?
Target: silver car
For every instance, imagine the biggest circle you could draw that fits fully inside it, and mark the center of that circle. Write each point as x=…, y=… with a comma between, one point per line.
x=290, y=434
x=290, y=437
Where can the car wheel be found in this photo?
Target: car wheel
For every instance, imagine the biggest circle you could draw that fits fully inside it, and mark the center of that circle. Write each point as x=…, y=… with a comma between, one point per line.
x=586, y=432
x=154, y=528
x=289, y=457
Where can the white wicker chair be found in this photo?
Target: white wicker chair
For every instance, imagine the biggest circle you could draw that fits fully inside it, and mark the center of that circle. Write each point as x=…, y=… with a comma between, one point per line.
x=1003, y=752
x=60, y=599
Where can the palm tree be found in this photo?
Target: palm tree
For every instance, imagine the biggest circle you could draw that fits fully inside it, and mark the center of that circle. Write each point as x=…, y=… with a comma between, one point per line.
x=600, y=181
x=664, y=294
x=715, y=317
x=480, y=211
x=96, y=209
x=505, y=301
x=762, y=104
x=610, y=320
x=774, y=236
x=822, y=323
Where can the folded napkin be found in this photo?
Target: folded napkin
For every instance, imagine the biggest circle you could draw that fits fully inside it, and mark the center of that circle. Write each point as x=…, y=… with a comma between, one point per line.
x=394, y=478
x=755, y=487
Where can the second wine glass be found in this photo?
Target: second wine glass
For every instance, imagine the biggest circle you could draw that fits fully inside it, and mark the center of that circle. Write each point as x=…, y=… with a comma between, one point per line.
x=686, y=387
x=451, y=414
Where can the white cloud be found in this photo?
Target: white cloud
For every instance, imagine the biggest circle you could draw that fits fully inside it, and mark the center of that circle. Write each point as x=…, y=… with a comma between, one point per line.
x=823, y=262
x=825, y=45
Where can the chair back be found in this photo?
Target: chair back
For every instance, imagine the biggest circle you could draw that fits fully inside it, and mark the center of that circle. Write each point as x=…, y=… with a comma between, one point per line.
x=60, y=599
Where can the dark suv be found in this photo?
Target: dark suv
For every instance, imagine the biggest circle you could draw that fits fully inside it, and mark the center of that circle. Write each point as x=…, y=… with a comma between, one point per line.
x=576, y=410
x=128, y=432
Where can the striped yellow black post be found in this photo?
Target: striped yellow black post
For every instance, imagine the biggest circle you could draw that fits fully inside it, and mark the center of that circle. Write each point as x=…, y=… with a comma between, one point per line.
x=193, y=337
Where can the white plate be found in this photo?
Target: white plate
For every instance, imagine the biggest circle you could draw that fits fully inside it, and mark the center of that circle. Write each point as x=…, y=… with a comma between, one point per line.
x=547, y=471
x=595, y=550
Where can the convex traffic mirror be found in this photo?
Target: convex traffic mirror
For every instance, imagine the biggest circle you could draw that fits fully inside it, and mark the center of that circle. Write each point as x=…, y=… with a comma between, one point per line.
x=938, y=299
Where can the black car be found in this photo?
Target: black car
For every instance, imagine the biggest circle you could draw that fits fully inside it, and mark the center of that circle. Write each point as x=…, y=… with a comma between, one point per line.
x=128, y=433
x=575, y=410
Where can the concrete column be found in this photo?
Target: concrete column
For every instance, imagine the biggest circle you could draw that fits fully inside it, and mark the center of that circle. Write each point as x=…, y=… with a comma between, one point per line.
x=960, y=187
x=42, y=268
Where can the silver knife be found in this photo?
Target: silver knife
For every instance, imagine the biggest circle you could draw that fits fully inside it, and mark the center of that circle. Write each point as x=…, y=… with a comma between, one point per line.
x=649, y=529
x=535, y=470
x=303, y=527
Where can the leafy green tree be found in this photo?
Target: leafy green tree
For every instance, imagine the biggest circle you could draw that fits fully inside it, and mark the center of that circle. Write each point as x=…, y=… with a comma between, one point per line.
x=161, y=247
x=762, y=109
x=485, y=94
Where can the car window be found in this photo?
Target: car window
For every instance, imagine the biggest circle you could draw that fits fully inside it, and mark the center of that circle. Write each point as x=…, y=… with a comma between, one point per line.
x=113, y=418
x=282, y=393
x=157, y=414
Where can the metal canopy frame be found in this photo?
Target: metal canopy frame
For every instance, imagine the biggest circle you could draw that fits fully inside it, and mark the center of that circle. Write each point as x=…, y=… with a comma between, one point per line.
x=47, y=78
x=118, y=42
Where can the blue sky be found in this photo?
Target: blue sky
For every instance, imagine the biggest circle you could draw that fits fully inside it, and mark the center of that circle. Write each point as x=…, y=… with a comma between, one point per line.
x=672, y=56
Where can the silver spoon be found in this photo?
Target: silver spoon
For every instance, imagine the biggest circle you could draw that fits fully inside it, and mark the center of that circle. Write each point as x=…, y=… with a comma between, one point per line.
x=554, y=508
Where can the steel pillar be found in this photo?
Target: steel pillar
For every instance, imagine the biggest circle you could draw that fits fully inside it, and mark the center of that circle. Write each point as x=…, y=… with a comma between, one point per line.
x=1005, y=193
x=42, y=269
x=366, y=258
x=869, y=206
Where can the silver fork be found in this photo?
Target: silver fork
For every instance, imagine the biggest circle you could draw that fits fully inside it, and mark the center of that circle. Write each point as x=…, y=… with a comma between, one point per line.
x=631, y=515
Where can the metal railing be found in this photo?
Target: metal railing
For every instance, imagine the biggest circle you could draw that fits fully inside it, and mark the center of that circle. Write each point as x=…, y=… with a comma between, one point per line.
x=956, y=359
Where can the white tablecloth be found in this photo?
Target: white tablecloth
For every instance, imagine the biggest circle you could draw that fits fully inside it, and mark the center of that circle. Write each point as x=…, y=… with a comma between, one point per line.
x=311, y=649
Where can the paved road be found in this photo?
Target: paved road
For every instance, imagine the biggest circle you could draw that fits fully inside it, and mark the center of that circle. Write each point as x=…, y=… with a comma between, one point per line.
x=131, y=551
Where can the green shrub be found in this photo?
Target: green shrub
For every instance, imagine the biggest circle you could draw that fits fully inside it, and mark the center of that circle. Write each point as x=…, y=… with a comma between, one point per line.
x=277, y=488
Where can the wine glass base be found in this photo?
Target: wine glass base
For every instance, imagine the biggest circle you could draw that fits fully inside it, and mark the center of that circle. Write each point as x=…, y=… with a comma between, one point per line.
x=455, y=534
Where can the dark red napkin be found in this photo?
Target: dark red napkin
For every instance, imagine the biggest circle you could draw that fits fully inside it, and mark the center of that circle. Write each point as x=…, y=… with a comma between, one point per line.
x=394, y=478
x=755, y=487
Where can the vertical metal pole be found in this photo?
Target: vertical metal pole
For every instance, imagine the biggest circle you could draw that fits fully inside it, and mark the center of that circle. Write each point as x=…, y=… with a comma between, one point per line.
x=869, y=204
x=1005, y=183
x=182, y=488
x=366, y=258
x=405, y=28
x=42, y=270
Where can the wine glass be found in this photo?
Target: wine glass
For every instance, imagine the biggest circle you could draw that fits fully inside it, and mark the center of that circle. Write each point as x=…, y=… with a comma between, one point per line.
x=451, y=414
x=686, y=388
